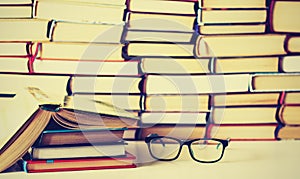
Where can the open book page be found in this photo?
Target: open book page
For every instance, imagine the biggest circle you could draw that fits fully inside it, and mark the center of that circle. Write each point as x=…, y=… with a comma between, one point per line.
x=14, y=113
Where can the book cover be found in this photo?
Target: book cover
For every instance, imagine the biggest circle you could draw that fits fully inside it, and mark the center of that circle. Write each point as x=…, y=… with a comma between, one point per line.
x=59, y=165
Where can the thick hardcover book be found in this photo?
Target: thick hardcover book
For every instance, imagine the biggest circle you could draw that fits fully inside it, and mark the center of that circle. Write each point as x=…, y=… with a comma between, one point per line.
x=243, y=132
x=195, y=84
x=167, y=7
x=60, y=165
x=288, y=132
x=181, y=131
x=89, y=12
x=284, y=16
x=108, y=149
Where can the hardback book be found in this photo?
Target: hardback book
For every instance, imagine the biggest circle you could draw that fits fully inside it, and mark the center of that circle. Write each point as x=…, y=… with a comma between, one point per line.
x=24, y=30
x=243, y=115
x=245, y=45
x=232, y=28
x=232, y=4
x=175, y=103
x=288, y=132
x=16, y=11
x=163, y=22
x=104, y=85
x=213, y=46
x=89, y=12
x=99, y=2
x=76, y=32
x=246, y=65
x=288, y=114
x=292, y=44
x=219, y=16
x=97, y=163
x=15, y=49
x=243, y=132
x=14, y=64
x=159, y=6
x=292, y=98
x=52, y=88
x=246, y=99
x=275, y=82
x=84, y=67
x=213, y=65
x=64, y=137
x=109, y=149
x=176, y=65
x=79, y=51
x=181, y=131
x=25, y=136
x=192, y=118
x=15, y=2
x=290, y=63
x=195, y=84
x=283, y=16
x=158, y=36
x=128, y=102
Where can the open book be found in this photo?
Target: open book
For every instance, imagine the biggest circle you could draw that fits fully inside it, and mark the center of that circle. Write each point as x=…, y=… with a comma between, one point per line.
x=19, y=137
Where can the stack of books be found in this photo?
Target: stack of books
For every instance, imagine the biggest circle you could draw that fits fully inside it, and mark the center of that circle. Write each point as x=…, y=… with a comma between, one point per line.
x=183, y=68
x=83, y=95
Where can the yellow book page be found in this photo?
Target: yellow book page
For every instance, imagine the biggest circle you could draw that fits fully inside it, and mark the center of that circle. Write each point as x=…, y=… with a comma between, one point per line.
x=192, y=103
x=289, y=132
x=292, y=98
x=85, y=67
x=244, y=115
x=15, y=11
x=75, y=32
x=81, y=51
x=163, y=84
x=97, y=2
x=291, y=64
x=15, y=2
x=106, y=85
x=232, y=3
x=174, y=66
x=231, y=29
x=289, y=115
x=245, y=45
x=14, y=65
x=13, y=49
x=23, y=30
x=177, y=7
x=44, y=89
x=155, y=49
x=232, y=16
x=152, y=36
x=285, y=16
x=293, y=44
x=127, y=102
x=243, y=132
x=160, y=22
x=173, y=118
x=275, y=82
x=247, y=65
x=79, y=12
x=96, y=106
x=14, y=113
x=246, y=99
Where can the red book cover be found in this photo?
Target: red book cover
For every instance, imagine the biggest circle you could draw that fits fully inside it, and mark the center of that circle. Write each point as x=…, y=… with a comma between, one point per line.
x=60, y=165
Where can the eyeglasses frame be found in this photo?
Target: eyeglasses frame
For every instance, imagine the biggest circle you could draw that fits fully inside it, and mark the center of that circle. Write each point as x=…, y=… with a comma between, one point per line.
x=188, y=143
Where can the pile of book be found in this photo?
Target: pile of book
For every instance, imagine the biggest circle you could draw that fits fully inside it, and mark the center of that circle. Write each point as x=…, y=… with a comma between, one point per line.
x=62, y=66
x=84, y=75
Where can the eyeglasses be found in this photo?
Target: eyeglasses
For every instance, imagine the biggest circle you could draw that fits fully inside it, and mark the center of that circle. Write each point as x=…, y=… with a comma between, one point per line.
x=201, y=150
